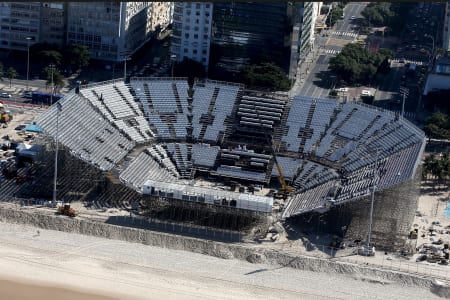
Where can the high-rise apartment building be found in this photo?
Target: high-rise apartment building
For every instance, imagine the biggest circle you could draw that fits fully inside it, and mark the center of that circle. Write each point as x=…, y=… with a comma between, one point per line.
x=446, y=33
x=192, y=31
x=19, y=21
x=114, y=30
x=53, y=22
x=226, y=36
x=246, y=33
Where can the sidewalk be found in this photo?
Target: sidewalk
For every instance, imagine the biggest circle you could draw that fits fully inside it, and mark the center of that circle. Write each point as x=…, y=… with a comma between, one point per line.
x=303, y=68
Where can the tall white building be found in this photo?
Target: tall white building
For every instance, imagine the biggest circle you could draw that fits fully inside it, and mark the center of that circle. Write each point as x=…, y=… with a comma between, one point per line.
x=114, y=30
x=446, y=33
x=191, y=34
x=19, y=20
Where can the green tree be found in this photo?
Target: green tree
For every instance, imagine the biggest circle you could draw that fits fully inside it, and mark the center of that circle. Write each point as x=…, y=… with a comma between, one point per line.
x=12, y=73
x=437, y=126
x=78, y=55
x=50, y=57
x=356, y=64
x=58, y=79
x=378, y=13
x=334, y=15
x=267, y=75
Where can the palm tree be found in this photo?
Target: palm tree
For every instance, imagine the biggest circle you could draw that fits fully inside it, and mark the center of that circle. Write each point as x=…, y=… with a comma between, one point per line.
x=428, y=166
x=12, y=73
x=58, y=79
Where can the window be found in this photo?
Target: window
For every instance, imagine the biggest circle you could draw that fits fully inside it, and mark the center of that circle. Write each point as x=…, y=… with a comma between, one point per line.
x=194, y=51
x=204, y=51
x=186, y=35
x=195, y=36
x=185, y=50
x=205, y=36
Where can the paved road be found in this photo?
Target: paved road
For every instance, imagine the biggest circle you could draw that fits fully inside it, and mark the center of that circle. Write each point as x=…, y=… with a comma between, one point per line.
x=318, y=81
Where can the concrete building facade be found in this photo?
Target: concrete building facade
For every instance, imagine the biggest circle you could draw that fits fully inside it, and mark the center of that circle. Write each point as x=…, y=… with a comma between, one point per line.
x=226, y=36
x=114, y=30
x=18, y=21
x=191, y=34
x=53, y=22
x=446, y=33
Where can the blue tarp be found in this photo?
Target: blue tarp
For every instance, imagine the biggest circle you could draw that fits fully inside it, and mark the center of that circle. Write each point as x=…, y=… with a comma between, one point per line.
x=33, y=128
x=447, y=210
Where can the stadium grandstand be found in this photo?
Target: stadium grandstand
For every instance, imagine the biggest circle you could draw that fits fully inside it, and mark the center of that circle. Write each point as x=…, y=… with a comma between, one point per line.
x=160, y=137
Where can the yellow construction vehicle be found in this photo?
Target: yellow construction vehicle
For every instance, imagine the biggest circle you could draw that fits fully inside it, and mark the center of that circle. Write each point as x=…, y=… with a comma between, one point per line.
x=285, y=188
x=66, y=210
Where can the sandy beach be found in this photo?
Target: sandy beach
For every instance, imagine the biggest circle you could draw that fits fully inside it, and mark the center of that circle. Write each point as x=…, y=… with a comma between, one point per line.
x=17, y=290
x=73, y=266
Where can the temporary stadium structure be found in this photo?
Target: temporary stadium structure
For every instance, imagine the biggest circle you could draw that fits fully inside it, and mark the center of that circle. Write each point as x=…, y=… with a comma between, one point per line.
x=159, y=130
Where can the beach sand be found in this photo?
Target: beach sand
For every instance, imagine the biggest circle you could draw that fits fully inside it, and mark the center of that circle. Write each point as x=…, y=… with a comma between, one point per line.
x=24, y=290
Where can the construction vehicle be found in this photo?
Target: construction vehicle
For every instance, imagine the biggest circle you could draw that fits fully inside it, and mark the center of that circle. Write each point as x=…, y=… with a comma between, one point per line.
x=5, y=115
x=285, y=188
x=66, y=210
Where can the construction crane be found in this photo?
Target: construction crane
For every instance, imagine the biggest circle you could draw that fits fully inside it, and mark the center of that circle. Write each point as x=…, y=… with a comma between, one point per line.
x=285, y=188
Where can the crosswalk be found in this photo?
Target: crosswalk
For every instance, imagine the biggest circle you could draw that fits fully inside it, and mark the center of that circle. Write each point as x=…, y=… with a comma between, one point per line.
x=345, y=33
x=332, y=51
x=406, y=61
x=412, y=59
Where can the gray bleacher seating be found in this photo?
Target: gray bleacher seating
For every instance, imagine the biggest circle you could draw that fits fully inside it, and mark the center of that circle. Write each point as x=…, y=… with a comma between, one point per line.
x=115, y=102
x=85, y=132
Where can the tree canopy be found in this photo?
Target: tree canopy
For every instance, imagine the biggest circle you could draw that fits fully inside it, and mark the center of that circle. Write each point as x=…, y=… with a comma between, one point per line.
x=12, y=73
x=267, y=75
x=334, y=15
x=389, y=14
x=50, y=57
x=58, y=79
x=438, y=168
x=438, y=126
x=356, y=64
x=78, y=55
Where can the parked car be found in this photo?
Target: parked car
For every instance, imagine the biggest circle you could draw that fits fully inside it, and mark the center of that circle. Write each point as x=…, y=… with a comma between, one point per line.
x=5, y=95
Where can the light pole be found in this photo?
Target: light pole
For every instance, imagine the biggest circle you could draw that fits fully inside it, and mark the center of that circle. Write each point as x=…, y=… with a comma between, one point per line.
x=52, y=69
x=125, y=67
x=173, y=57
x=28, y=58
x=374, y=186
x=58, y=110
x=404, y=92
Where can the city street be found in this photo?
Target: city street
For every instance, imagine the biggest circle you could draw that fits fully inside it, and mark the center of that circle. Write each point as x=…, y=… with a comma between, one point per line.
x=317, y=80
